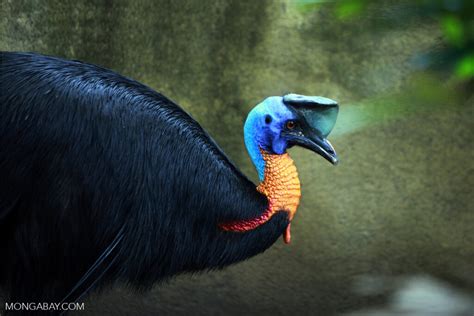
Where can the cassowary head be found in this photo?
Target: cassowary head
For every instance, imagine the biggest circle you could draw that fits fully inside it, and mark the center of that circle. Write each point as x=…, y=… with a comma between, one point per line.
x=272, y=127
x=279, y=123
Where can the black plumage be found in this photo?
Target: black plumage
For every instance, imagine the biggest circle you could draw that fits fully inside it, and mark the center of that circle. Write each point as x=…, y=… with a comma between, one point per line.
x=103, y=179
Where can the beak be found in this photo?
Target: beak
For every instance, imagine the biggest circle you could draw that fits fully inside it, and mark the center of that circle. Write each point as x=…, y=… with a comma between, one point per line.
x=317, y=117
x=317, y=144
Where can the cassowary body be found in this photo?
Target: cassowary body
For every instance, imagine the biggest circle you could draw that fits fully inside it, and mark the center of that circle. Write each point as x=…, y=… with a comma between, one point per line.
x=103, y=179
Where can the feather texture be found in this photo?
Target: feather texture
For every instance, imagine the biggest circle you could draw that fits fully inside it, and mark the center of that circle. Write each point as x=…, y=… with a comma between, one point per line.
x=86, y=153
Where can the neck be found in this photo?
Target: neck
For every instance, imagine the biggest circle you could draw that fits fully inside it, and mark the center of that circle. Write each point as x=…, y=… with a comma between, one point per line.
x=278, y=176
x=253, y=148
x=281, y=184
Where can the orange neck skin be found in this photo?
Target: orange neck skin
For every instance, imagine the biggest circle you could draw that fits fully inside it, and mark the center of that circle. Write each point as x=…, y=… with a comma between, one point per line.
x=281, y=186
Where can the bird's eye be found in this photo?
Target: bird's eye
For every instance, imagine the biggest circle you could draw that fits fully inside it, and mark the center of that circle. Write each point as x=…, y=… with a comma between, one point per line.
x=268, y=119
x=290, y=124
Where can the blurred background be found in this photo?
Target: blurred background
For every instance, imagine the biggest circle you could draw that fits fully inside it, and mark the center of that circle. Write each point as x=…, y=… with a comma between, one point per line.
x=389, y=231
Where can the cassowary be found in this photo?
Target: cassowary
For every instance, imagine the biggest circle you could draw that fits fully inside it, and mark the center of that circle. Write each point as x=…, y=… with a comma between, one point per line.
x=103, y=179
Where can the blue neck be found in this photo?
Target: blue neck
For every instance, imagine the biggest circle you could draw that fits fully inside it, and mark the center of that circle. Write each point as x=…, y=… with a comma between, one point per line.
x=252, y=145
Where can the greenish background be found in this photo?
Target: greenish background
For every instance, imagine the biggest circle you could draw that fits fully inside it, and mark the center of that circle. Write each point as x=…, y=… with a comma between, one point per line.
x=397, y=211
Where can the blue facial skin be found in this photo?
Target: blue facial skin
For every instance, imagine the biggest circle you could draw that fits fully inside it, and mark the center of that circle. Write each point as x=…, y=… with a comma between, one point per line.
x=263, y=129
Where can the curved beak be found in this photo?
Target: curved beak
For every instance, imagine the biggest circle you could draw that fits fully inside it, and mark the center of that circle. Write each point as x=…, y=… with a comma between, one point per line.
x=317, y=117
x=317, y=144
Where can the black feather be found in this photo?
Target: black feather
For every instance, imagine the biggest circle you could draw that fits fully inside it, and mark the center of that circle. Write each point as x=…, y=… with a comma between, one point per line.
x=86, y=153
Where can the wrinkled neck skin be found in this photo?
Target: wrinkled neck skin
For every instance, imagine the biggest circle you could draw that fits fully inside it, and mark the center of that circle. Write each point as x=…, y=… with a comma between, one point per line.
x=279, y=182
